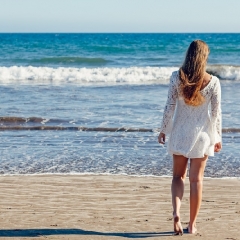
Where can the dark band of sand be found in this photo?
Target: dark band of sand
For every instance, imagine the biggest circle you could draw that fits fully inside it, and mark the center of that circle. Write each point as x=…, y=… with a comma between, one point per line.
x=111, y=207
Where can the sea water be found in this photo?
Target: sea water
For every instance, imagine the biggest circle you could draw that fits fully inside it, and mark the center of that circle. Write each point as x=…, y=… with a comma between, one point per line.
x=93, y=103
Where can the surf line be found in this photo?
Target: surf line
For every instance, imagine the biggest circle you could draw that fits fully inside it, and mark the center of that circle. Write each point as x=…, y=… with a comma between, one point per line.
x=87, y=129
x=93, y=129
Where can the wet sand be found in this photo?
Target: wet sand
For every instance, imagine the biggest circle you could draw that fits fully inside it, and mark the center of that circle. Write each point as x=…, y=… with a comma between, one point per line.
x=111, y=207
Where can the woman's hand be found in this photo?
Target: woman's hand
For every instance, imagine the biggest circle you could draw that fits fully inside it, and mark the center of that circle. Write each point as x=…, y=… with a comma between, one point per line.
x=161, y=138
x=217, y=147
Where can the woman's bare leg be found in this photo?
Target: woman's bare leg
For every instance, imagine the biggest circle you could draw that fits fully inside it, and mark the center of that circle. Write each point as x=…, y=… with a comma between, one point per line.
x=196, y=173
x=179, y=175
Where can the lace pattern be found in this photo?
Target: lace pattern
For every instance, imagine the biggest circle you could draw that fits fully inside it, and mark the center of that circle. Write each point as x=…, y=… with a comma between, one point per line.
x=193, y=130
x=170, y=106
x=216, y=112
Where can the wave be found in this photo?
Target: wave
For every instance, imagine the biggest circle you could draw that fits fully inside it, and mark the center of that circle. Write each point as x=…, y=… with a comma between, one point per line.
x=87, y=129
x=225, y=72
x=129, y=75
x=94, y=129
x=32, y=123
x=136, y=75
x=6, y=121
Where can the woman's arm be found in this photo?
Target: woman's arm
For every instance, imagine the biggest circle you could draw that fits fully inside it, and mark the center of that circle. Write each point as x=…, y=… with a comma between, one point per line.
x=169, y=109
x=216, y=115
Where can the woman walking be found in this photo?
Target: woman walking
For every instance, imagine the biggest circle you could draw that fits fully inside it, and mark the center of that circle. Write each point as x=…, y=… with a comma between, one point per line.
x=192, y=118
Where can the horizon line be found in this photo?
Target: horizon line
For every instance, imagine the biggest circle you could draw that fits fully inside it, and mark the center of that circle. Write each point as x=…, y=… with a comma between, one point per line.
x=119, y=32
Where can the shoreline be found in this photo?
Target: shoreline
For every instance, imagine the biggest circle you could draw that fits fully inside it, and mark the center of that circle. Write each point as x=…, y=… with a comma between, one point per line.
x=111, y=207
x=105, y=174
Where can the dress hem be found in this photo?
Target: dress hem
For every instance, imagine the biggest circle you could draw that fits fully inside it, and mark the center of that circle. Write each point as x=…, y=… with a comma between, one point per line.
x=182, y=154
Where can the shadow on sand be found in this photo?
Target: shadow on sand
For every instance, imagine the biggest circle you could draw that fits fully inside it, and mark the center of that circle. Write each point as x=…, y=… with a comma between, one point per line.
x=48, y=232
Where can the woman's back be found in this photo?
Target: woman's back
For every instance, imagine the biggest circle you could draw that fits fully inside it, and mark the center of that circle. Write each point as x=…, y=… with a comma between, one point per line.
x=194, y=125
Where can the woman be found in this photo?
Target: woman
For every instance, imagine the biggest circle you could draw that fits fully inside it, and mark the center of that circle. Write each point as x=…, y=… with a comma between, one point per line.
x=192, y=117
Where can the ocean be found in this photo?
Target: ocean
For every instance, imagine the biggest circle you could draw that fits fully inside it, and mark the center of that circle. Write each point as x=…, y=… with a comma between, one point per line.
x=93, y=103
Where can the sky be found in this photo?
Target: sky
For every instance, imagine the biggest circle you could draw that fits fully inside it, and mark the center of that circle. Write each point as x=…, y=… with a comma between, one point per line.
x=120, y=16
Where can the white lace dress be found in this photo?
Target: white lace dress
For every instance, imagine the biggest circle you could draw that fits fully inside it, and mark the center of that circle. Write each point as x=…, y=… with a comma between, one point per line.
x=193, y=130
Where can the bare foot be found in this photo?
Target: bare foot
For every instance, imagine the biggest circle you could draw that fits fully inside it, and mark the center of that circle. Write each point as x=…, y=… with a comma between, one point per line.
x=177, y=225
x=192, y=229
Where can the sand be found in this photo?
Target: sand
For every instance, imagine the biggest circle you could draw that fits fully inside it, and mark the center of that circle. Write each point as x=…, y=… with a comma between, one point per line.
x=111, y=207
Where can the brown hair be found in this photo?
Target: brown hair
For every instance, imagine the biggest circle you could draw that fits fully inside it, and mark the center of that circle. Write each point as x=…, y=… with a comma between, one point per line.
x=192, y=72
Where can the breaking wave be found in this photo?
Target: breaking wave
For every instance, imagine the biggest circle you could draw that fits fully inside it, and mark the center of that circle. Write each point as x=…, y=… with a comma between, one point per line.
x=92, y=76
x=38, y=123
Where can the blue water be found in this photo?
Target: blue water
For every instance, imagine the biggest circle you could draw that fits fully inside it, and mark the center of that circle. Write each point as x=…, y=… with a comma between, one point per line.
x=115, y=50
x=54, y=86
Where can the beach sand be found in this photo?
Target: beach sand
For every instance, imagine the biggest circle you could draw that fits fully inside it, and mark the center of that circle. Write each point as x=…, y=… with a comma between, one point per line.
x=111, y=207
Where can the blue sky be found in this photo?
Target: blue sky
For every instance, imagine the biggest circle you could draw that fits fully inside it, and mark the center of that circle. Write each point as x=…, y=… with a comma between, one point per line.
x=119, y=16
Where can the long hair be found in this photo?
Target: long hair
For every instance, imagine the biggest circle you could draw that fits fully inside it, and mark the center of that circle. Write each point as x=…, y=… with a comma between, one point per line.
x=192, y=72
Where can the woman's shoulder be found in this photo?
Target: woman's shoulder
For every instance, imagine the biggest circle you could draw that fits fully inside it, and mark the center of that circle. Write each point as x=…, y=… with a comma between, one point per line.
x=215, y=81
x=175, y=74
x=174, y=77
x=215, y=78
x=212, y=86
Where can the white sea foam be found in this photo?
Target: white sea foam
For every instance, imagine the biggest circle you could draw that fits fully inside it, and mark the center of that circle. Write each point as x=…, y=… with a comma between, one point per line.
x=133, y=75
x=92, y=76
x=225, y=72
